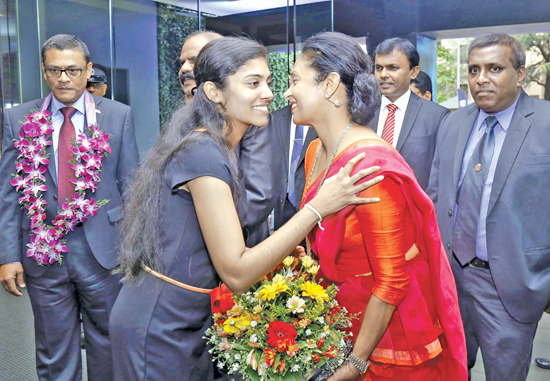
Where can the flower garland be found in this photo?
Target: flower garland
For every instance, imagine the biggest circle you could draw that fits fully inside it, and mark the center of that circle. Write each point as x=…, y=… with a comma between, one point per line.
x=47, y=243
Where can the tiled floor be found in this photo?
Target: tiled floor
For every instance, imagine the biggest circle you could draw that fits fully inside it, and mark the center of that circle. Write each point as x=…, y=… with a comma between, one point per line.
x=17, y=343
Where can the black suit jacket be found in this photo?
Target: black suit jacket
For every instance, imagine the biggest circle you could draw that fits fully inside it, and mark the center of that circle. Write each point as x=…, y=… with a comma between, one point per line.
x=101, y=232
x=417, y=139
x=264, y=158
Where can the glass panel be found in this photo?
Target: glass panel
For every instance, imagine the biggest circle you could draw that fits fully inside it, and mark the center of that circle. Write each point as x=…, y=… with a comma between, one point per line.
x=136, y=65
x=10, y=94
x=174, y=24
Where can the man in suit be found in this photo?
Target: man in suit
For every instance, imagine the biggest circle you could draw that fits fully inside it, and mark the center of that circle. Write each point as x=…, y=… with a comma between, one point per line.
x=272, y=159
x=406, y=121
x=490, y=183
x=189, y=52
x=82, y=284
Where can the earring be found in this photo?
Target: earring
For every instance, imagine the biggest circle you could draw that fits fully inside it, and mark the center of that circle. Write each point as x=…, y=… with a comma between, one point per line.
x=336, y=103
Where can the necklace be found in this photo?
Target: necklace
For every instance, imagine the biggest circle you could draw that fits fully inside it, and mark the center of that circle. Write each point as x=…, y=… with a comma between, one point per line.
x=308, y=246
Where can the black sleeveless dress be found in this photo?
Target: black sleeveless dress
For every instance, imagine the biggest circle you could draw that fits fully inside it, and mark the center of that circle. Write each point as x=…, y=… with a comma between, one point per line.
x=157, y=328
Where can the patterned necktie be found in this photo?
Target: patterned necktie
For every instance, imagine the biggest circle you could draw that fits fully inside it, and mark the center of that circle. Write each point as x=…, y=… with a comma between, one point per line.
x=469, y=195
x=296, y=151
x=65, y=189
x=389, y=126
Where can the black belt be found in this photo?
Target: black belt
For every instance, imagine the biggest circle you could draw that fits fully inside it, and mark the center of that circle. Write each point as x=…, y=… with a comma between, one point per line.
x=479, y=264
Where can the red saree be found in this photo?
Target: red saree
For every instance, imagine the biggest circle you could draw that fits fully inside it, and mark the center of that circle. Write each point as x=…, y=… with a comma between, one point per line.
x=393, y=249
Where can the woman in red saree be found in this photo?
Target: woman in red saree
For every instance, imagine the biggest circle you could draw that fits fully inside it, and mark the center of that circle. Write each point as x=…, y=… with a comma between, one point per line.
x=387, y=258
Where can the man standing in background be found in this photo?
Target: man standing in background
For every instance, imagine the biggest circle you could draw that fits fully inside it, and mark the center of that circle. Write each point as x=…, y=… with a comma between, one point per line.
x=189, y=52
x=490, y=186
x=407, y=122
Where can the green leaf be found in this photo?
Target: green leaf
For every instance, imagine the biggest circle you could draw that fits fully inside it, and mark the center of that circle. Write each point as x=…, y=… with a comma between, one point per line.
x=252, y=374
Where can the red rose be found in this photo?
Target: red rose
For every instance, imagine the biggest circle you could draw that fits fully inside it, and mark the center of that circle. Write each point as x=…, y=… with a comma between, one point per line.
x=316, y=358
x=279, y=331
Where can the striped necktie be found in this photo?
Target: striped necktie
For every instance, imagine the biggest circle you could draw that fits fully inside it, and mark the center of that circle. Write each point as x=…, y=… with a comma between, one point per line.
x=389, y=126
x=65, y=188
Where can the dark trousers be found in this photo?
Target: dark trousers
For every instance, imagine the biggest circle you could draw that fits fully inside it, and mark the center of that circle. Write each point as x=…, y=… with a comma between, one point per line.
x=506, y=344
x=79, y=286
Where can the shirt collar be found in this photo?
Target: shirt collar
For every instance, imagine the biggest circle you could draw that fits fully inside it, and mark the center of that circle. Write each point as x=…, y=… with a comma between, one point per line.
x=78, y=105
x=401, y=102
x=504, y=117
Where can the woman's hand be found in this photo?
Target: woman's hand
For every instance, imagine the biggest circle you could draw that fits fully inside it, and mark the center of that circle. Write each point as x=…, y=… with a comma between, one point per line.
x=340, y=190
x=347, y=371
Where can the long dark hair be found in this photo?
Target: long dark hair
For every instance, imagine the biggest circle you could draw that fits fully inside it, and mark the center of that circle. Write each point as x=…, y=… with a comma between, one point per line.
x=141, y=235
x=329, y=52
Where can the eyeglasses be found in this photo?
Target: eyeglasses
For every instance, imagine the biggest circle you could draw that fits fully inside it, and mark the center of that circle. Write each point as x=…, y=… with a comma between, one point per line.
x=71, y=73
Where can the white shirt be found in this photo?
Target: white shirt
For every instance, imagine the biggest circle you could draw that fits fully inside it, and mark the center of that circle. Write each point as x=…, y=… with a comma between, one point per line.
x=291, y=146
x=402, y=102
x=57, y=120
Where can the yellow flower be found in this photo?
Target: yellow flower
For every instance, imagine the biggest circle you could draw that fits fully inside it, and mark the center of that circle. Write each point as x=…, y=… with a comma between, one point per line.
x=257, y=309
x=314, y=291
x=326, y=328
x=288, y=261
x=313, y=270
x=270, y=291
x=307, y=261
x=233, y=326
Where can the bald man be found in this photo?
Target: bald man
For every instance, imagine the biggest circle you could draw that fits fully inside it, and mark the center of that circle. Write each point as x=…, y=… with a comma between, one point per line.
x=189, y=52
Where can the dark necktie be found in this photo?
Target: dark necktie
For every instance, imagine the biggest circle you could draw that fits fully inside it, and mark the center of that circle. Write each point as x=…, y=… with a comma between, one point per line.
x=65, y=189
x=296, y=151
x=469, y=195
x=389, y=126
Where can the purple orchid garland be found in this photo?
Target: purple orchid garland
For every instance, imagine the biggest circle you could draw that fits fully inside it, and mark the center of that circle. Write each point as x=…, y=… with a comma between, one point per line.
x=47, y=243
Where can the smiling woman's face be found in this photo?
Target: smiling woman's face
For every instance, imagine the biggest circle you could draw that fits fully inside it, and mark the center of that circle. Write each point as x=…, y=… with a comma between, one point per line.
x=305, y=95
x=248, y=94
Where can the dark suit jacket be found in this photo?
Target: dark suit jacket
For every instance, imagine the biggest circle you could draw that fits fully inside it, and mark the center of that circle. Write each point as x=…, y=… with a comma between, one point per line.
x=416, y=142
x=265, y=162
x=101, y=233
x=518, y=219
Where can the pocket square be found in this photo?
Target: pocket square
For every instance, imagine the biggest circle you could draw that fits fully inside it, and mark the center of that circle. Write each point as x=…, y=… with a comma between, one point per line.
x=98, y=111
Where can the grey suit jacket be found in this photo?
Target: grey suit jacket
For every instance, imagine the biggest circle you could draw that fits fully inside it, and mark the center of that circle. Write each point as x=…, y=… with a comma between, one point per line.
x=101, y=232
x=264, y=157
x=518, y=219
x=417, y=139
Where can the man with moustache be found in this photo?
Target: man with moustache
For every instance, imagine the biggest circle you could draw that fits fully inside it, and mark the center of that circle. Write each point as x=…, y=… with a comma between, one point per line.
x=81, y=283
x=489, y=183
x=189, y=51
x=405, y=121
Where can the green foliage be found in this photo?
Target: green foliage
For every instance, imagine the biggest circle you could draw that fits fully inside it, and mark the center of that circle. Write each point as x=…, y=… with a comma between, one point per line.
x=172, y=28
x=538, y=70
x=446, y=73
x=280, y=65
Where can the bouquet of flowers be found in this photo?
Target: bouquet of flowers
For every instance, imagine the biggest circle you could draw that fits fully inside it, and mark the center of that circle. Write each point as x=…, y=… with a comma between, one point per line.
x=285, y=327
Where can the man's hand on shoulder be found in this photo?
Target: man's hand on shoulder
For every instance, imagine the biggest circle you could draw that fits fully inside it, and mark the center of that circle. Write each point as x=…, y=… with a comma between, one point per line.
x=11, y=273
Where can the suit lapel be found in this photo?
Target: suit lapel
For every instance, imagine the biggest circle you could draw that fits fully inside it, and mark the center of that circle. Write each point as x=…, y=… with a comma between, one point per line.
x=410, y=116
x=464, y=131
x=284, y=134
x=373, y=124
x=98, y=115
x=519, y=126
